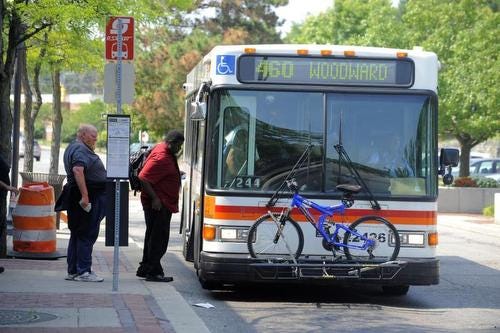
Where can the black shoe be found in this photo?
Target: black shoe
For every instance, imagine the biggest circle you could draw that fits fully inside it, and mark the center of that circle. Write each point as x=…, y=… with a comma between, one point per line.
x=159, y=278
x=141, y=274
x=2, y=269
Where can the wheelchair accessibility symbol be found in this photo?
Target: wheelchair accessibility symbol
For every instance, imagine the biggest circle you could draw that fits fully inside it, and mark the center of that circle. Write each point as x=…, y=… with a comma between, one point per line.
x=225, y=65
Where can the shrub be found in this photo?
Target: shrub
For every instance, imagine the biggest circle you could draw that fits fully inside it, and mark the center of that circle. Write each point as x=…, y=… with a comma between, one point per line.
x=485, y=182
x=464, y=182
x=489, y=211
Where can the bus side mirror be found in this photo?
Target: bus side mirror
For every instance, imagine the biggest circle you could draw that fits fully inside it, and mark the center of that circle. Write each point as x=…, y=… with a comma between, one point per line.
x=448, y=158
x=198, y=107
x=198, y=110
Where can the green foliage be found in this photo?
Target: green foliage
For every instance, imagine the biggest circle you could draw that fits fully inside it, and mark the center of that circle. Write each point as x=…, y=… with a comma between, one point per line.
x=256, y=18
x=159, y=103
x=88, y=114
x=489, y=211
x=465, y=36
x=167, y=53
x=349, y=22
x=485, y=182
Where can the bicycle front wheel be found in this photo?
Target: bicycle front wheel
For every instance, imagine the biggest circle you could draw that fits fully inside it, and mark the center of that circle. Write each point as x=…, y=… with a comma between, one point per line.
x=382, y=234
x=272, y=240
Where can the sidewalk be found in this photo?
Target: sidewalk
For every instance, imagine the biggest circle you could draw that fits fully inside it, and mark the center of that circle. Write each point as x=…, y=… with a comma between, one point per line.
x=34, y=297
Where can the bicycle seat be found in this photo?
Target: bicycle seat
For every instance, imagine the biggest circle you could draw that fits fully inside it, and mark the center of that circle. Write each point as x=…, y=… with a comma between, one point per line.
x=348, y=188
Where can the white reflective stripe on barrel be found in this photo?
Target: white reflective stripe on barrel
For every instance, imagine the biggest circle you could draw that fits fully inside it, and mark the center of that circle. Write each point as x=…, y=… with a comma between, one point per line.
x=34, y=211
x=33, y=235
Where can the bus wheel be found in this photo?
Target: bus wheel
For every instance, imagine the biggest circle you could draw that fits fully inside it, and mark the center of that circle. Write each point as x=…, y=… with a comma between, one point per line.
x=187, y=247
x=395, y=290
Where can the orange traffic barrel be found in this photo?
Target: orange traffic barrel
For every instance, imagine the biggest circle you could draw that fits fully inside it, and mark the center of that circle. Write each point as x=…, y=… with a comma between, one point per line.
x=34, y=220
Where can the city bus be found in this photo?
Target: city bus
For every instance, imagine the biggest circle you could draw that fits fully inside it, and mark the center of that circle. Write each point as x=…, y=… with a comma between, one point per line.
x=271, y=102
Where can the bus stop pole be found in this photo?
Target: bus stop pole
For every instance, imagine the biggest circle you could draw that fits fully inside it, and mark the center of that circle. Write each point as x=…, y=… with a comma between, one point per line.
x=116, y=255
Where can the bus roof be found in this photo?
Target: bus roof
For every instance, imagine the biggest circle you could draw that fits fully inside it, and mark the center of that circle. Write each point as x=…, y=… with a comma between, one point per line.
x=426, y=63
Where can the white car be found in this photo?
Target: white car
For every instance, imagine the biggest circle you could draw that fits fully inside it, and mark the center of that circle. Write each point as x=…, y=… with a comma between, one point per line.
x=487, y=167
x=37, y=150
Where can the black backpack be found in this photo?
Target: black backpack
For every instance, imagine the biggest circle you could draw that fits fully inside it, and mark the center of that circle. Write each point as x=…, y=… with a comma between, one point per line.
x=136, y=163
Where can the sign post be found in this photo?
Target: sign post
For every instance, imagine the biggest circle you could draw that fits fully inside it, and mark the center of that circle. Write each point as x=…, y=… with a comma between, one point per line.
x=119, y=47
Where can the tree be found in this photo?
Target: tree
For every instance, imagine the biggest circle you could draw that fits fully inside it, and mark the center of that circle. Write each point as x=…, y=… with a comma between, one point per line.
x=14, y=32
x=345, y=23
x=31, y=111
x=257, y=18
x=465, y=36
x=161, y=73
x=169, y=51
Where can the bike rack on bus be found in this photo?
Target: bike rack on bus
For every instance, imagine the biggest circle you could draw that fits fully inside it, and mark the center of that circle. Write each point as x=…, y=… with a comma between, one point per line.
x=337, y=271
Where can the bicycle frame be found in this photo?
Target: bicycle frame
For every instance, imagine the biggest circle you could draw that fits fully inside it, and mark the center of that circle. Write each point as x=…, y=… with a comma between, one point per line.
x=302, y=204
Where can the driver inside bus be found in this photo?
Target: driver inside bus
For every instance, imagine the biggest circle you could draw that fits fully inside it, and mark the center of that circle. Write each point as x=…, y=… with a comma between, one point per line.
x=236, y=160
x=390, y=157
x=237, y=156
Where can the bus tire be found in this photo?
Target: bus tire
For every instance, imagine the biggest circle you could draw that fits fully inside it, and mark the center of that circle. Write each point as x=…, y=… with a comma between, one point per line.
x=187, y=242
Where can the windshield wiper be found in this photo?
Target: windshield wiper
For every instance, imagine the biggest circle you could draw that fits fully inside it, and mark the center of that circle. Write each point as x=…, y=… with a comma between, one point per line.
x=343, y=156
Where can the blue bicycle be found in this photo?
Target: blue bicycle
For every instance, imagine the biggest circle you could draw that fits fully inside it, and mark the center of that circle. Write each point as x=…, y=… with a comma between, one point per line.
x=277, y=238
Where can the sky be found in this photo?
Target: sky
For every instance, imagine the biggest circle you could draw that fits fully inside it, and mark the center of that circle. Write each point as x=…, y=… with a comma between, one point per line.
x=298, y=10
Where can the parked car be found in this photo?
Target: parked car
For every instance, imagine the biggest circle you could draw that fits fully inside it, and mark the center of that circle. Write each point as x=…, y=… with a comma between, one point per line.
x=474, y=156
x=137, y=145
x=488, y=167
x=37, y=150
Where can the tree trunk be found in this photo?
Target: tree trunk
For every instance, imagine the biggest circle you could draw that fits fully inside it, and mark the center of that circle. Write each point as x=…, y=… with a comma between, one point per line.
x=29, y=126
x=57, y=121
x=466, y=144
x=6, y=73
x=465, y=149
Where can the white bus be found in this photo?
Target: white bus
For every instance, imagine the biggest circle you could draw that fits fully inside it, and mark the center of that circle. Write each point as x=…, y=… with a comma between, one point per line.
x=274, y=100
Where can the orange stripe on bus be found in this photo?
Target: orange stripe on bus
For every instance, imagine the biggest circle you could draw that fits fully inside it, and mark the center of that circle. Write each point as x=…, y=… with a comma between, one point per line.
x=395, y=216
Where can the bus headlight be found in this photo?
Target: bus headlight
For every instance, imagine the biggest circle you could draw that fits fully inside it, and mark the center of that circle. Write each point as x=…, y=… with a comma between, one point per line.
x=231, y=234
x=410, y=238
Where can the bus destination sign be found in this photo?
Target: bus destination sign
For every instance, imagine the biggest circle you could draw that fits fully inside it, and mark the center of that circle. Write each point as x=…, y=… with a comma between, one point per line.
x=326, y=71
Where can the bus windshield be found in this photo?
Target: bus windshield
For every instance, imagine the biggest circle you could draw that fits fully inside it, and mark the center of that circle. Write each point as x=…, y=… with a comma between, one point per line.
x=256, y=137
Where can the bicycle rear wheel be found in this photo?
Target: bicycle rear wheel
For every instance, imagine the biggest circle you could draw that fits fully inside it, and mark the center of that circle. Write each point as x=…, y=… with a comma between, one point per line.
x=382, y=232
x=267, y=240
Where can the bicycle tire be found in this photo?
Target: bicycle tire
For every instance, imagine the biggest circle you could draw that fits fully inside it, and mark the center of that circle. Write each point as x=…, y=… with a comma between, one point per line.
x=261, y=235
x=381, y=230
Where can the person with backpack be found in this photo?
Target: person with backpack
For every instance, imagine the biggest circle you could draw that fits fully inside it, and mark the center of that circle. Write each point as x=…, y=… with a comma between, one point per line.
x=161, y=180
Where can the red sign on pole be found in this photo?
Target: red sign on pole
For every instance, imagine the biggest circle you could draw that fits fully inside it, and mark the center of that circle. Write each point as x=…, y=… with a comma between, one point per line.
x=127, y=38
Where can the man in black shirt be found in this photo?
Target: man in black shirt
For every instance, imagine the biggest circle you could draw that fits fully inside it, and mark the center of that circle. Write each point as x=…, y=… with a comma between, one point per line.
x=85, y=200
